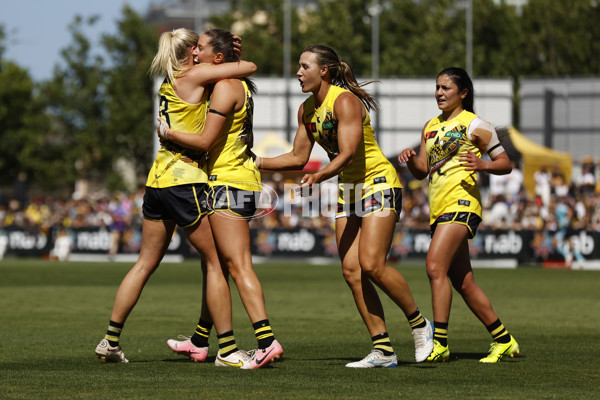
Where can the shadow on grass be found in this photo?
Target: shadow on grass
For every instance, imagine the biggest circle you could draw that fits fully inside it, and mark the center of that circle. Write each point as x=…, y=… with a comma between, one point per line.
x=479, y=356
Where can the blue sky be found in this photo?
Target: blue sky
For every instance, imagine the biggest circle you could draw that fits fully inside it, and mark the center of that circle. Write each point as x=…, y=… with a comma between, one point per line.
x=36, y=30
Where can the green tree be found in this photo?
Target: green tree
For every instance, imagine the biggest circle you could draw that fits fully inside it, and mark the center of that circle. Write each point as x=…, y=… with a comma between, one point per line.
x=260, y=23
x=561, y=38
x=75, y=101
x=130, y=93
x=420, y=38
x=21, y=120
x=417, y=38
x=345, y=27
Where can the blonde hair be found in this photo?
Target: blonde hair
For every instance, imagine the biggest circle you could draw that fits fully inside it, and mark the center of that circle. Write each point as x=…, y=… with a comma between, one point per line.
x=341, y=74
x=173, y=52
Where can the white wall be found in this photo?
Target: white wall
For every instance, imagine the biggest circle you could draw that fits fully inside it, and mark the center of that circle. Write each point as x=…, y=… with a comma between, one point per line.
x=405, y=106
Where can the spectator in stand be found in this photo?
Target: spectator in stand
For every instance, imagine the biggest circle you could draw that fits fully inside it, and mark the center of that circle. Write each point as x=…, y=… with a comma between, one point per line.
x=499, y=215
x=63, y=244
x=3, y=245
x=542, y=185
x=564, y=232
x=559, y=185
x=587, y=181
x=514, y=182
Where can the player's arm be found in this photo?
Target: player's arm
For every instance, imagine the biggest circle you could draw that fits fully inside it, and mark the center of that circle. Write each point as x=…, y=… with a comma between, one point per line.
x=348, y=111
x=297, y=157
x=417, y=164
x=223, y=101
x=204, y=74
x=484, y=136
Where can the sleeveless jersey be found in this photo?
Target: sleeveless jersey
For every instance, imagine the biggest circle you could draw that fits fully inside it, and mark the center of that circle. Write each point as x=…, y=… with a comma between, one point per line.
x=175, y=165
x=228, y=161
x=451, y=187
x=369, y=166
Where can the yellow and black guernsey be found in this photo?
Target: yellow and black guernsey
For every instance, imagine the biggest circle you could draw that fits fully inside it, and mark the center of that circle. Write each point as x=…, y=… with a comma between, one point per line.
x=175, y=165
x=369, y=170
x=451, y=187
x=228, y=160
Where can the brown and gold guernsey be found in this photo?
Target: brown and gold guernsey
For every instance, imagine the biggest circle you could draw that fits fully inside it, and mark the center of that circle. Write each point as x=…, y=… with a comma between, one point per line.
x=451, y=187
x=369, y=166
x=175, y=165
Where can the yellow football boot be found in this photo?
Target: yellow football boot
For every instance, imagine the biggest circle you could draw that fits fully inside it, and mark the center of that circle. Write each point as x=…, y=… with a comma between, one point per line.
x=501, y=350
x=439, y=353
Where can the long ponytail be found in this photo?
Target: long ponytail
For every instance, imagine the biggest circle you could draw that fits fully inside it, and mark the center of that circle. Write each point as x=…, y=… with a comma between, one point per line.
x=341, y=74
x=173, y=52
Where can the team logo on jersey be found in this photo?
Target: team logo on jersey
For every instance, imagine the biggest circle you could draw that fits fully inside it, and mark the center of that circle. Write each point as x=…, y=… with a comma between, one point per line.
x=328, y=135
x=454, y=135
x=446, y=147
x=441, y=152
x=430, y=135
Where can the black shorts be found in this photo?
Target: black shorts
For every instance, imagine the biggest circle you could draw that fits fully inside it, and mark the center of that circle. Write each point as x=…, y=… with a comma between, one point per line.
x=240, y=202
x=386, y=199
x=470, y=220
x=184, y=204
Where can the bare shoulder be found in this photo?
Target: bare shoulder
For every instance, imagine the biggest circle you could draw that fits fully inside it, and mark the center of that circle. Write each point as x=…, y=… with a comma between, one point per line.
x=347, y=99
x=347, y=104
x=228, y=84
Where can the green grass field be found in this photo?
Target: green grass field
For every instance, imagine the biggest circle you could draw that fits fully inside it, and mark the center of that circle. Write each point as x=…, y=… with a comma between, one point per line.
x=53, y=315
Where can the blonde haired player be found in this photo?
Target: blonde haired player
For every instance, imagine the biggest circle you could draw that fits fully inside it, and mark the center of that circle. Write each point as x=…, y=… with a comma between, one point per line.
x=234, y=186
x=175, y=196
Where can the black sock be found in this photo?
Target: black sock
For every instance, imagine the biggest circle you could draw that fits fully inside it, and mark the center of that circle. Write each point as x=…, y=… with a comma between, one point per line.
x=201, y=334
x=264, y=333
x=382, y=342
x=498, y=332
x=416, y=320
x=440, y=332
x=113, y=333
x=227, y=344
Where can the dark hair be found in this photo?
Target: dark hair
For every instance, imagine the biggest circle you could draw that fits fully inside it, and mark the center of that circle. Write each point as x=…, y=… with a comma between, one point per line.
x=222, y=42
x=460, y=77
x=341, y=74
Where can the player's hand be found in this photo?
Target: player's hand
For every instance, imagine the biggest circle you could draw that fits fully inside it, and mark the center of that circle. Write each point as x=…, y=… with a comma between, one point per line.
x=305, y=188
x=237, y=44
x=163, y=129
x=406, y=155
x=471, y=162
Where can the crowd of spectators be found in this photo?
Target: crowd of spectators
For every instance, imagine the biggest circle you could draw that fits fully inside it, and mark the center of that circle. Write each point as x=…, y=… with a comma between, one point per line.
x=507, y=205
x=102, y=209
x=506, y=202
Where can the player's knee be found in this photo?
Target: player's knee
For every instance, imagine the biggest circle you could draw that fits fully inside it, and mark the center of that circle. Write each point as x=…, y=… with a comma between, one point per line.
x=238, y=268
x=351, y=275
x=145, y=269
x=435, y=270
x=372, y=266
x=465, y=287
